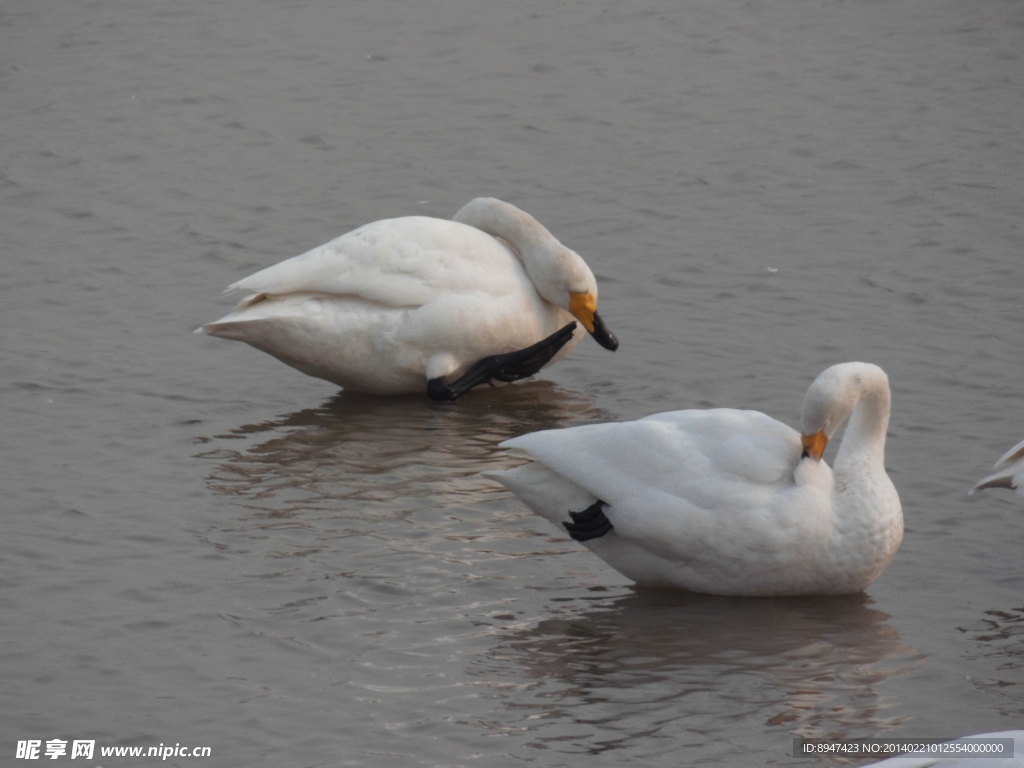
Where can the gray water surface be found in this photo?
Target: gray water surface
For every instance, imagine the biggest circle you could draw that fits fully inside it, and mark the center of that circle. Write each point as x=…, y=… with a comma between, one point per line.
x=202, y=546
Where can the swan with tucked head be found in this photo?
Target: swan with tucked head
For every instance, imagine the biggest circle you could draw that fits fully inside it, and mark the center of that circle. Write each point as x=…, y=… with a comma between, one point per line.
x=725, y=501
x=413, y=303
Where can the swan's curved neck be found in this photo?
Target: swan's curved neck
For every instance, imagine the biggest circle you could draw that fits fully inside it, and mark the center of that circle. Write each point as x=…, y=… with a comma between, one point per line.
x=520, y=230
x=865, y=431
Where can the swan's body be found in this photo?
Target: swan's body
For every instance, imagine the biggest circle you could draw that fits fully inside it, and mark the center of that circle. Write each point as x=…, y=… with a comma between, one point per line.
x=1009, y=472
x=726, y=501
x=396, y=303
x=954, y=757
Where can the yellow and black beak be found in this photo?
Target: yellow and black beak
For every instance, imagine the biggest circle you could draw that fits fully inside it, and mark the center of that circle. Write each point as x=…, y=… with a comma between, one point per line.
x=814, y=445
x=584, y=308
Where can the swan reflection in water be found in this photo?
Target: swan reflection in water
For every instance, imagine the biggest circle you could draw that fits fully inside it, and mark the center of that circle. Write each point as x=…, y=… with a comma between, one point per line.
x=681, y=668
x=361, y=455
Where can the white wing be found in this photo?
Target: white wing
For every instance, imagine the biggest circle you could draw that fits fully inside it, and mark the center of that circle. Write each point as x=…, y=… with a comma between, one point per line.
x=721, y=494
x=1009, y=474
x=403, y=262
x=705, y=457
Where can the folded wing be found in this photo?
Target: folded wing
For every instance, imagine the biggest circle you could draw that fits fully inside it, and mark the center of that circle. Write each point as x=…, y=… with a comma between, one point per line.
x=1009, y=472
x=704, y=457
x=405, y=262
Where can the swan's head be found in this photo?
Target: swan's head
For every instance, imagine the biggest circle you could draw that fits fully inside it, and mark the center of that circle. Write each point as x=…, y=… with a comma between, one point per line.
x=574, y=288
x=832, y=397
x=559, y=274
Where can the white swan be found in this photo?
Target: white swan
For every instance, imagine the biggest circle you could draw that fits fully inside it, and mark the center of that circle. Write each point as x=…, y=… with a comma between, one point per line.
x=962, y=756
x=1009, y=474
x=402, y=304
x=725, y=501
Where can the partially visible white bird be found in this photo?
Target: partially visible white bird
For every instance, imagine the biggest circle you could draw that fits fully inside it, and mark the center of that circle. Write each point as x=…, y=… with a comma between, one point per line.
x=724, y=501
x=960, y=757
x=404, y=304
x=1009, y=474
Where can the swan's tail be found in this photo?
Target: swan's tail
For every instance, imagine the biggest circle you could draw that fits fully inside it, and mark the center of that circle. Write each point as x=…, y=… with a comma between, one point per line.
x=544, y=491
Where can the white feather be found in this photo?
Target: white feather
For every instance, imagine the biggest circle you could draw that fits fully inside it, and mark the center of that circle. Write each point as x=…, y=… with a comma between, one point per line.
x=396, y=302
x=721, y=501
x=1009, y=474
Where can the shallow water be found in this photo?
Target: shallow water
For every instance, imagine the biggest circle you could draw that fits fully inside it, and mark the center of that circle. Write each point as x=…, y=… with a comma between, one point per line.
x=204, y=547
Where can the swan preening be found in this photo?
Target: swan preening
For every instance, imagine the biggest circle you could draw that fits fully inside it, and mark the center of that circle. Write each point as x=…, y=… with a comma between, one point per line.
x=402, y=305
x=1009, y=472
x=726, y=501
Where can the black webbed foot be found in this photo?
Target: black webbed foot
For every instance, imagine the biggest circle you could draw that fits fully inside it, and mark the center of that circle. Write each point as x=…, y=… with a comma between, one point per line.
x=589, y=524
x=440, y=390
x=511, y=366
